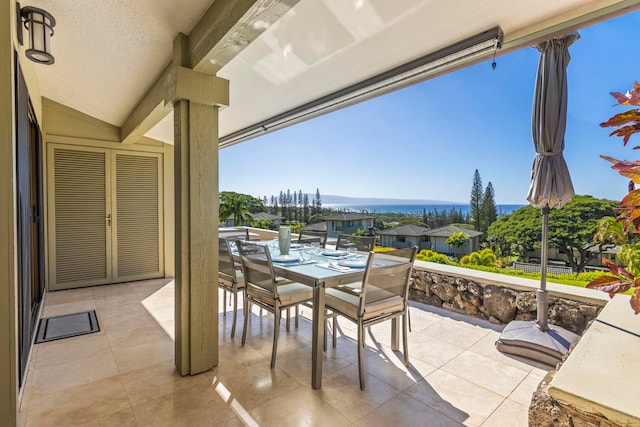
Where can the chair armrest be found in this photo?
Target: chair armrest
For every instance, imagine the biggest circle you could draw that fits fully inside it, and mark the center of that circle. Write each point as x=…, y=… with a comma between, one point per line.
x=350, y=290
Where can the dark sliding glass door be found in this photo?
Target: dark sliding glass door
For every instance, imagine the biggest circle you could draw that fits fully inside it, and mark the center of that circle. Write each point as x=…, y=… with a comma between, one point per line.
x=30, y=225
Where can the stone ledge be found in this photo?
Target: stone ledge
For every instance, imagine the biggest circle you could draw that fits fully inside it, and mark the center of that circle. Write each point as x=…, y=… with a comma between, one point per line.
x=518, y=283
x=596, y=384
x=500, y=298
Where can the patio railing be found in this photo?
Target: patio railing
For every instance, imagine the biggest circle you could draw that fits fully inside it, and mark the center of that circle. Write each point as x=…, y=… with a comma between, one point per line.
x=537, y=268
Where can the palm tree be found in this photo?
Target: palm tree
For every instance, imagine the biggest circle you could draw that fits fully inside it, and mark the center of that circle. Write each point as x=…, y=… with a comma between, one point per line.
x=236, y=206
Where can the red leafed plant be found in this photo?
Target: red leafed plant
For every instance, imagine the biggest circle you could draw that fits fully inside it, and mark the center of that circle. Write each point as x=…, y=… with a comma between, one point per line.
x=626, y=123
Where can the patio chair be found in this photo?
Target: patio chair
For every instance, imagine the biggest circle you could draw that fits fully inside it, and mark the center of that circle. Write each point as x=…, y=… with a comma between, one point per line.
x=363, y=243
x=234, y=233
x=313, y=236
x=265, y=290
x=381, y=296
x=230, y=278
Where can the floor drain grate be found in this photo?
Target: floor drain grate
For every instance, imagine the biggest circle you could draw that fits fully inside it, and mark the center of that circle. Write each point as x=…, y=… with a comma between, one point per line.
x=69, y=325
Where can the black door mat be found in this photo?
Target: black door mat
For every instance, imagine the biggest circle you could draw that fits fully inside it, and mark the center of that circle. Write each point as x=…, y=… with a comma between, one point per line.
x=69, y=325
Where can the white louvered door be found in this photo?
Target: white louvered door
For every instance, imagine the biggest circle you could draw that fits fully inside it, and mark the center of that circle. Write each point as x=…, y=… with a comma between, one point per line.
x=105, y=216
x=137, y=219
x=79, y=199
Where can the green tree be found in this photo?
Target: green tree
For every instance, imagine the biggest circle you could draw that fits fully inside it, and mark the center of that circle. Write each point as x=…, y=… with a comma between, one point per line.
x=517, y=233
x=317, y=203
x=283, y=205
x=305, y=209
x=301, y=206
x=294, y=213
x=489, y=210
x=238, y=206
x=412, y=221
x=463, y=225
x=290, y=207
x=571, y=230
x=477, y=196
x=458, y=239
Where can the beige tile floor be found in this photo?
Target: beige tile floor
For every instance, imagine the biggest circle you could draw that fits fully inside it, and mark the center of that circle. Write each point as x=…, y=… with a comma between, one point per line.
x=124, y=375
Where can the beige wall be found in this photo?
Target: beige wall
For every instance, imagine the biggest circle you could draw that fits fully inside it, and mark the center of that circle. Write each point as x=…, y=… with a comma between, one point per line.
x=68, y=126
x=8, y=323
x=59, y=124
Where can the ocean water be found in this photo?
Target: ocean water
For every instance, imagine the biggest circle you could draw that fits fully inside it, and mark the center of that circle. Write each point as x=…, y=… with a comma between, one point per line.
x=417, y=209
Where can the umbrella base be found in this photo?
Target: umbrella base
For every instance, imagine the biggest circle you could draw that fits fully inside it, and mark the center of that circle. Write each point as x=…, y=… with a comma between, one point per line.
x=527, y=339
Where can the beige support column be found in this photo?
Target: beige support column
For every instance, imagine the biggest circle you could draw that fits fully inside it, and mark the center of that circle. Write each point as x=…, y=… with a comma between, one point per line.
x=8, y=281
x=196, y=216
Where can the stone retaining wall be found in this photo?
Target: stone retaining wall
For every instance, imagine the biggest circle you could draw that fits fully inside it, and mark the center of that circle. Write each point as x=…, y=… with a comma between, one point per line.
x=495, y=303
x=545, y=411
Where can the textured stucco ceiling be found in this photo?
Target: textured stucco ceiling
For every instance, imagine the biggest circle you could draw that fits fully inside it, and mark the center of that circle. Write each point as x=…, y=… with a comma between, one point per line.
x=109, y=52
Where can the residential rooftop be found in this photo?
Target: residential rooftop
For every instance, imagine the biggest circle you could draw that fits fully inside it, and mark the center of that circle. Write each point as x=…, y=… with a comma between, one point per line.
x=347, y=216
x=447, y=230
x=406, y=230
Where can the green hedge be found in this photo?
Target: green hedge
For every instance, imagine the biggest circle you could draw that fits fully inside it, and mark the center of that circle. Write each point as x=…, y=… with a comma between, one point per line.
x=431, y=256
x=574, y=279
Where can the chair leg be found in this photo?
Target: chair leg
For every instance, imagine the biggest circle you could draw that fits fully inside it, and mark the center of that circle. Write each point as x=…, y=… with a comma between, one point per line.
x=276, y=330
x=409, y=317
x=224, y=302
x=297, y=314
x=235, y=314
x=361, y=355
x=324, y=344
x=333, y=332
x=335, y=329
x=405, y=319
x=288, y=312
x=247, y=312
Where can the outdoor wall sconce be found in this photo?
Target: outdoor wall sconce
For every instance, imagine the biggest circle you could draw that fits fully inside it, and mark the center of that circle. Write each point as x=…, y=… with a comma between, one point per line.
x=40, y=25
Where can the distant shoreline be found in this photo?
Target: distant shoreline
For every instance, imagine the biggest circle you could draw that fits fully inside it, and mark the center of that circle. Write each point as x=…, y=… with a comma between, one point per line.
x=415, y=209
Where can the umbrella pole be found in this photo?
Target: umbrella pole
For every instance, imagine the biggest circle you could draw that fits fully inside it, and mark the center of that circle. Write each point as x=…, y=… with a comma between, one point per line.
x=536, y=340
x=542, y=295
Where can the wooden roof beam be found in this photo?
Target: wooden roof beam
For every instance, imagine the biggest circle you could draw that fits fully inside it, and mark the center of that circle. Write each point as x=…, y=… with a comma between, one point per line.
x=227, y=27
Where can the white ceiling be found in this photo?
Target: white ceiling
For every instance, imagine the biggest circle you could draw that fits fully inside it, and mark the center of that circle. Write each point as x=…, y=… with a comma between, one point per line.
x=321, y=46
x=108, y=54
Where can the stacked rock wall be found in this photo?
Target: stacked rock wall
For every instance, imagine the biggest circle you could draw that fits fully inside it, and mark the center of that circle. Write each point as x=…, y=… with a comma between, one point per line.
x=495, y=303
x=545, y=411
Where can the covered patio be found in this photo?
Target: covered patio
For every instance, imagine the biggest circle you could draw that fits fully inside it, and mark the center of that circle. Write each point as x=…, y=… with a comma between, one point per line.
x=125, y=376
x=129, y=120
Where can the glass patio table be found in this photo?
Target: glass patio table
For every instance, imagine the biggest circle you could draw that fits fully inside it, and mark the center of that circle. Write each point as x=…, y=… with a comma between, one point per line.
x=320, y=271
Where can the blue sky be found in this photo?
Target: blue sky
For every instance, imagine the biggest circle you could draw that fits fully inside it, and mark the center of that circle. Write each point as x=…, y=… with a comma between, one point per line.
x=426, y=141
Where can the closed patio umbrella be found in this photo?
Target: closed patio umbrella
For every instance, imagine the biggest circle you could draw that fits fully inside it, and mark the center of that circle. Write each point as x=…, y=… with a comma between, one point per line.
x=550, y=187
